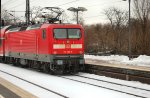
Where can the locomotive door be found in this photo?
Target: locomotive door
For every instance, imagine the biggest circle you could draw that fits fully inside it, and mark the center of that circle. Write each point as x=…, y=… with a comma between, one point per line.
x=43, y=45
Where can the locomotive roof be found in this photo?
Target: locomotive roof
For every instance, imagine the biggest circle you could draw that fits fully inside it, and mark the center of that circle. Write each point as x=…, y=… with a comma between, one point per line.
x=37, y=26
x=8, y=27
x=61, y=25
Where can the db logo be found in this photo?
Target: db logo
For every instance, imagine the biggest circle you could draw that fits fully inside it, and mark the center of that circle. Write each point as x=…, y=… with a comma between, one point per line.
x=68, y=45
x=20, y=42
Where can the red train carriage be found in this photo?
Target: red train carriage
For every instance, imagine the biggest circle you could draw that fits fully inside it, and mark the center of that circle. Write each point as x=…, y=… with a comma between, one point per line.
x=1, y=43
x=2, y=40
x=57, y=48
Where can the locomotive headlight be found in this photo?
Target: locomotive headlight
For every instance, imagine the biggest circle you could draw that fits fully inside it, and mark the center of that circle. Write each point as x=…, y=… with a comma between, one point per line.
x=77, y=46
x=59, y=62
x=59, y=46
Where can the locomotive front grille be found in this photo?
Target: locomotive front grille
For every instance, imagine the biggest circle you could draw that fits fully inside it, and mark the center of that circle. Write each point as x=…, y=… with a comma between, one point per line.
x=66, y=61
x=69, y=64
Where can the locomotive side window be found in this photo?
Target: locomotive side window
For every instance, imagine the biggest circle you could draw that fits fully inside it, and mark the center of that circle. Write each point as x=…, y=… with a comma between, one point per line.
x=44, y=33
x=60, y=33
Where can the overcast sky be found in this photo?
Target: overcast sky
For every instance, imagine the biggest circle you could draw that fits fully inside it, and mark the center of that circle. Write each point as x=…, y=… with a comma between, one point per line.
x=93, y=15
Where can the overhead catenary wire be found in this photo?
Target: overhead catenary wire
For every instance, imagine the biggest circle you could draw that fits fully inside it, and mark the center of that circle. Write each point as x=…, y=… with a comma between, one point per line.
x=17, y=5
x=22, y=3
x=7, y=2
x=63, y=3
x=93, y=16
x=12, y=16
x=68, y=2
x=98, y=5
x=102, y=4
x=46, y=2
x=35, y=0
x=11, y=3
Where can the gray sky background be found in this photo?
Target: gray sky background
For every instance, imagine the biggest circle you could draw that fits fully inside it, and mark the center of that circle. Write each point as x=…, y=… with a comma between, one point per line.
x=93, y=15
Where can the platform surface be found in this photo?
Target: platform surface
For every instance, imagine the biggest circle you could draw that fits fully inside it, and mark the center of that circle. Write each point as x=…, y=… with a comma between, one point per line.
x=104, y=63
x=9, y=90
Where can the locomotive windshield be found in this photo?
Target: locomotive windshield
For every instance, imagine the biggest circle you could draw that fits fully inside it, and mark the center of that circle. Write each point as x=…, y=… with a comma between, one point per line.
x=67, y=33
x=60, y=33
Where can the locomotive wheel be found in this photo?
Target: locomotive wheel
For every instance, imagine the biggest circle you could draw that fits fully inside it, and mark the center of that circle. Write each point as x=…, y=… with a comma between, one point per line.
x=39, y=66
x=56, y=71
x=23, y=63
x=46, y=68
x=82, y=68
x=15, y=62
x=1, y=59
x=5, y=60
x=59, y=72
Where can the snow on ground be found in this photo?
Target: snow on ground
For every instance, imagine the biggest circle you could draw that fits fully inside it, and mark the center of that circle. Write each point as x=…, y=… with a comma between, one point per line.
x=66, y=87
x=114, y=86
x=29, y=87
x=142, y=60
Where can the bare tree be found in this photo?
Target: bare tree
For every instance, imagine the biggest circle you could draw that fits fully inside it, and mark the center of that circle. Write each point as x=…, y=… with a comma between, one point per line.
x=36, y=12
x=118, y=19
x=64, y=18
x=6, y=16
x=80, y=17
x=142, y=12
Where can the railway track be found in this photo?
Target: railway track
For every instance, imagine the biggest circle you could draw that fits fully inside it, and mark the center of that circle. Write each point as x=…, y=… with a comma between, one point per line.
x=63, y=96
x=105, y=87
x=113, y=83
x=85, y=82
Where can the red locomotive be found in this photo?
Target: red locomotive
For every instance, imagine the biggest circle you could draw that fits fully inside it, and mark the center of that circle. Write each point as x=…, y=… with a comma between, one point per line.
x=56, y=48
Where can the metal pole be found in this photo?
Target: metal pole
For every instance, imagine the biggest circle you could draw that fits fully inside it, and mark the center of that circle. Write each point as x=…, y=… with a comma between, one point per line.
x=14, y=18
x=76, y=10
x=129, y=31
x=77, y=16
x=27, y=11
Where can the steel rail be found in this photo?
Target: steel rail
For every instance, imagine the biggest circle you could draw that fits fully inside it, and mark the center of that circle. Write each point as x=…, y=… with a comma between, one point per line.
x=35, y=84
x=113, y=83
x=102, y=87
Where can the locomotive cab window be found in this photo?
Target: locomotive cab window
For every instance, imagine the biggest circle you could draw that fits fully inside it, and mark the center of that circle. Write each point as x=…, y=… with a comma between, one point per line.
x=44, y=34
x=74, y=33
x=60, y=33
x=67, y=33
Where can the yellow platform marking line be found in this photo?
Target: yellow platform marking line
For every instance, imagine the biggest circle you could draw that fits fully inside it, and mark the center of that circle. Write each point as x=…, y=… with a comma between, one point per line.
x=17, y=90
